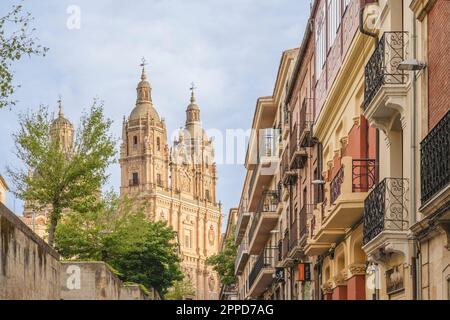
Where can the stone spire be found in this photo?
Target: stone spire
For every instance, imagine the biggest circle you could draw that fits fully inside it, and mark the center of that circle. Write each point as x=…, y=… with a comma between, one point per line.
x=60, y=107
x=192, y=111
x=144, y=104
x=62, y=129
x=144, y=89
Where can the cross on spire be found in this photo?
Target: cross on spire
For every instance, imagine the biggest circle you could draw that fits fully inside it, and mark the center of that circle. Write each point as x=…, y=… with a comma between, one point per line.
x=142, y=65
x=192, y=88
x=60, y=112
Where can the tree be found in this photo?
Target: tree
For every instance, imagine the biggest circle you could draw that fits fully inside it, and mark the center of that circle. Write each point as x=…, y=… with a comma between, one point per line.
x=61, y=179
x=102, y=232
x=153, y=262
x=223, y=262
x=180, y=289
x=118, y=233
x=16, y=40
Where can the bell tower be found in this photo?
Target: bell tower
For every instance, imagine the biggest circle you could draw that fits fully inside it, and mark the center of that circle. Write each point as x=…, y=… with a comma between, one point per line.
x=193, y=166
x=144, y=156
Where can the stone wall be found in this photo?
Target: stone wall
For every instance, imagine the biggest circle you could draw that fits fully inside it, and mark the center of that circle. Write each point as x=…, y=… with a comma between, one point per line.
x=89, y=281
x=97, y=281
x=29, y=267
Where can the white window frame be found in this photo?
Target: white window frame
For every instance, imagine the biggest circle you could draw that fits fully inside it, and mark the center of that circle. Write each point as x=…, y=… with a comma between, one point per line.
x=334, y=20
x=320, y=41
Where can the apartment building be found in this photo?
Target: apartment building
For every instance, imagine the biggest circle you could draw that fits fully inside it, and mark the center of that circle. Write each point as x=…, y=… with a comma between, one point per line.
x=364, y=167
x=260, y=208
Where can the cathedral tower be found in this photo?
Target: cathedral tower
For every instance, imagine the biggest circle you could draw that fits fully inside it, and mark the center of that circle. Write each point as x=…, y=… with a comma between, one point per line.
x=61, y=130
x=144, y=156
x=178, y=187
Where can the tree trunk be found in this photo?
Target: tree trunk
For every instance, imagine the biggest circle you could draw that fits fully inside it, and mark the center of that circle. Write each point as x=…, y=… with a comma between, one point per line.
x=54, y=217
x=51, y=233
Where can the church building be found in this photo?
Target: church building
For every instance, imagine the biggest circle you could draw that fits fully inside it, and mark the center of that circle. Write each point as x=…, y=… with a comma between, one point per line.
x=177, y=183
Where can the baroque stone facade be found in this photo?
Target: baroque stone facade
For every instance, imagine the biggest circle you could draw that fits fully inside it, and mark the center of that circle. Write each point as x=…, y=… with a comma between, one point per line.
x=177, y=184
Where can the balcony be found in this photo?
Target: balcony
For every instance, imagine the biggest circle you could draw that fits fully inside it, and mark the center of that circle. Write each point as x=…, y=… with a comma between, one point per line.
x=261, y=275
x=298, y=152
x=305, y=126
x=288, y=176
x=264, y=221
x=385, y=85
x=386, y=215
x=435, y=167
x=284, y=248
x=241, y=257
x=313, y=246
x=299, y=231
x=242, y=222
x=347, y=191
x=267, y=164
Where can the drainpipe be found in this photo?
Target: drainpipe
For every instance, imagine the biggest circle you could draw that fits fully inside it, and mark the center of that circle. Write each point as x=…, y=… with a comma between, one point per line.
x=412, y=219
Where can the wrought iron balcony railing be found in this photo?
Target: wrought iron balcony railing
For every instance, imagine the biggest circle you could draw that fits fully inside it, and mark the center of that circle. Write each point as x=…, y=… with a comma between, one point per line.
x=382, y=67
x=293, y=235
x=363, y=178
x=435, y=159
x=363, y=175
x=336, y=184
x=251, y=184
x=386, y=208
x=280, y=250
x=297, y=152
x=269, y=203
x=306, y=210
x=289, y=176
x=242, y=247
x=286, y=243
x=264, y=260
x=305, y=125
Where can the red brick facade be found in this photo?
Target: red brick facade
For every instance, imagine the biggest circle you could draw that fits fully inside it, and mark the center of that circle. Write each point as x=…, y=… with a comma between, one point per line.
x=438, y=62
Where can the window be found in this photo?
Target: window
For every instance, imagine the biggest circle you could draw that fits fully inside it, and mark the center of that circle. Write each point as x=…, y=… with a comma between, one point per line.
x=187, y=238
x=135, y=180
x=207, y=195
x=159, y=180
x=334, y=20
x=320, y=42
x=135, y=140
x=158, y=144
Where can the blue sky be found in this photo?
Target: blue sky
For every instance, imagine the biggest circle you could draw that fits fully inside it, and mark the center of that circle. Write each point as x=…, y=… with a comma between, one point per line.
x=231, y=50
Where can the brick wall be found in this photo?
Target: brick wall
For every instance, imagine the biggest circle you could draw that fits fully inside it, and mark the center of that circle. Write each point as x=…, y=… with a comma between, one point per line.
x=29, y=267
x=438, y=61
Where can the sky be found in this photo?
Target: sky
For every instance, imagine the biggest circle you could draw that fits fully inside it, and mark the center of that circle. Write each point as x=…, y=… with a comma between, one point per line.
x=230, y=49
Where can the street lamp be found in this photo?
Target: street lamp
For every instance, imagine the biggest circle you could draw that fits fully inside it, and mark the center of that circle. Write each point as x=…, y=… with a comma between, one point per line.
x=411, y=65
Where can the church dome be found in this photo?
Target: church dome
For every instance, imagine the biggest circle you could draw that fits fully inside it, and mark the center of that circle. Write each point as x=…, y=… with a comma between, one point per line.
x=142, y=109
x=144, y=105
x=60, y=121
